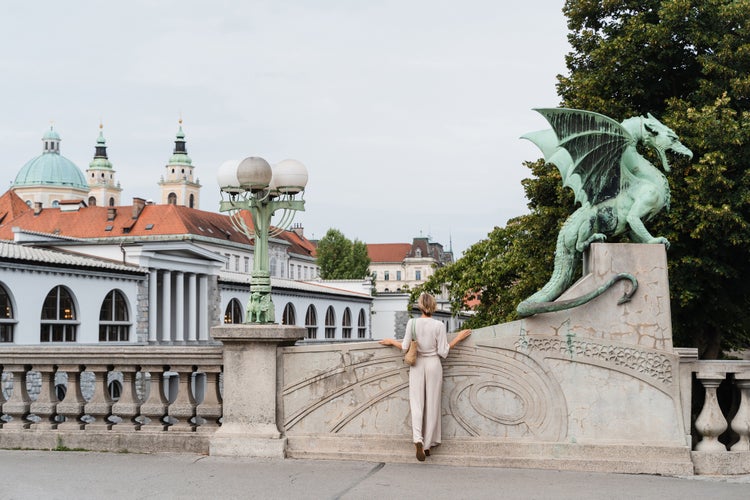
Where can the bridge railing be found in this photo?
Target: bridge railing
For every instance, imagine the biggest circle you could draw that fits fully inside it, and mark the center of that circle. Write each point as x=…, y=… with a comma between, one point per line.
x=716, y=402
x=60, y=392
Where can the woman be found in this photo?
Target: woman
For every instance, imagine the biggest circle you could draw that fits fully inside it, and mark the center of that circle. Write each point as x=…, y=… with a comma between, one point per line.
x=426, y=376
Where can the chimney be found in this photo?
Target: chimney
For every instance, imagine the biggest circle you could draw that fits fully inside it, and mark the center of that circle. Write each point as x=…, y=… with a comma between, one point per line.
x=111, y=213
x=37, y=207
x=298, y=230
x=138, y=204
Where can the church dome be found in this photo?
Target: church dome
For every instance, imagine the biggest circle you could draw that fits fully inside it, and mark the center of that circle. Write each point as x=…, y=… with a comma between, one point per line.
x=51, y=168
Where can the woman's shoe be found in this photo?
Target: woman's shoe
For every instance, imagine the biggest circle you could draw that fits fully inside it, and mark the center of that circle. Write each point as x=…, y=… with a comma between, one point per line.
x=427, y=453
x=420, y=452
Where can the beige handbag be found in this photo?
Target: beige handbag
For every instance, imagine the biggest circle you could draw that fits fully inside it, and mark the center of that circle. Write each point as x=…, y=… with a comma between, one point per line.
x=411, y=355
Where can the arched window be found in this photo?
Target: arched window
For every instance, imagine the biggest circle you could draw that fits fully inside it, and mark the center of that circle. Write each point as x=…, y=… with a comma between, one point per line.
x=289, y=317
x=330, y=331
x=113, y=318
x=233, y=314
x=311, y=322
x=111, y=202
x=192, y=201
x=346, y=324
x=172, y=199
x=55, y=203
x=361, y=327
x=92, y=201
x=58, y=317
x=7, y=322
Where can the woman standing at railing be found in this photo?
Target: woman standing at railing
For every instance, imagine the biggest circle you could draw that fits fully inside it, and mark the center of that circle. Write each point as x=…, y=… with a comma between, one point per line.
x=426, y=375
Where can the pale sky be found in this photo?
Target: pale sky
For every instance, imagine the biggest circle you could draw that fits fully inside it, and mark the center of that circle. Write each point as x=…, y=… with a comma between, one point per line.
x=407, y=113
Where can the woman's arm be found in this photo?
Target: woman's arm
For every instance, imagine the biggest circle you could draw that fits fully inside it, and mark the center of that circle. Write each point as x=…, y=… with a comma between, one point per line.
x=459, y=337
x=391, y=342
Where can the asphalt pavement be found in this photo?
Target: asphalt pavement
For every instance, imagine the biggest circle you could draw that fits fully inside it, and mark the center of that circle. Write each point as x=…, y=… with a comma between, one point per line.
x=87, y=475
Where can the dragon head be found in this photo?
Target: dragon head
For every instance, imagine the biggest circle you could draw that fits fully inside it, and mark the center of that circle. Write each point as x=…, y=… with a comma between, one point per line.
x=662, y=139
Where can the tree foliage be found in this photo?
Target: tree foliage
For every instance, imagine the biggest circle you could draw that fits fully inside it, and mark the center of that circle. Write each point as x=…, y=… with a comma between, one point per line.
x=340, y=258
x=688, y=63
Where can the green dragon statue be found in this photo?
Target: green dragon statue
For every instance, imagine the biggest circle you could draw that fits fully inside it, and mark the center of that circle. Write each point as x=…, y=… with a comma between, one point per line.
x=617, y=187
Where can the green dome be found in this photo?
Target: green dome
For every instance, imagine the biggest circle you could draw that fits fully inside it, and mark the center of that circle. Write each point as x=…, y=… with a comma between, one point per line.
x=51, y=168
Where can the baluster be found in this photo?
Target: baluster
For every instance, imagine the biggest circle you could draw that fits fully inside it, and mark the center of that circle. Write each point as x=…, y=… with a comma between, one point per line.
x=711, y=423
x=210, y=408
x=72, y=405
x=155, y=406
x=46, y=402
x=100, y=406
x=128, y=406
x=741, y=420
x=183, y=407
x=19, y=404
x=2, y=397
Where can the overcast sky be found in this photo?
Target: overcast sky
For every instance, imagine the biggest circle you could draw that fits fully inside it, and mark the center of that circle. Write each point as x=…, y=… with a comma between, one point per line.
x=407, y=113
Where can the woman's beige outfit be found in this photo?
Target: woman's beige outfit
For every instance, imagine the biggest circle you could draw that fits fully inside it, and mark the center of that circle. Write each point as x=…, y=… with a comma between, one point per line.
x=426, y=379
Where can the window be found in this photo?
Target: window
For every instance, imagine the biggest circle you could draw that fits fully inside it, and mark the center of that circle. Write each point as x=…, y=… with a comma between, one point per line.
x=418, y=274
x=191, y=204
x=172, y=199
x=237, y=263
x=233, y=314
x=361, y=328
x=398, y=275
x=346, y=324
x=272, y=267
x=55, y=203
x=58, y=317
x=228, y=264
x=6, y=316
x=311, y=322
x=92, y=201
x=374, y=275
x=289, y=317
x=330, y=331
x=111, y=202
x=247, y=264
x=113, y=318
x=386, y=275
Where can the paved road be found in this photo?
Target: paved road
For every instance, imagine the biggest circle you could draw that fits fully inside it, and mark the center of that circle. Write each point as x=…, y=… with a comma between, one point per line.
x=87, y=475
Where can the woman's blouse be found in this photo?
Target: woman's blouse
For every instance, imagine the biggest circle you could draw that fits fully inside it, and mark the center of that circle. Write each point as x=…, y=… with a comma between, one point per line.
x=432, y=339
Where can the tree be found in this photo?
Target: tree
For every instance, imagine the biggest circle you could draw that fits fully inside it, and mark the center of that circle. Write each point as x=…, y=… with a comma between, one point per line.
x=688, y=63
x=340, y=258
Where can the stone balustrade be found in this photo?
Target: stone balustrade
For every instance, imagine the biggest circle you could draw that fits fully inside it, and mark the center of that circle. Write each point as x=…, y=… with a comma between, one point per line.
x=111, y=398
x=718, y=412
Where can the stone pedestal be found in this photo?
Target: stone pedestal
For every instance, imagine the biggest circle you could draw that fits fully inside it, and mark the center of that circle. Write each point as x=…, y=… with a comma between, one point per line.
x=251, y=384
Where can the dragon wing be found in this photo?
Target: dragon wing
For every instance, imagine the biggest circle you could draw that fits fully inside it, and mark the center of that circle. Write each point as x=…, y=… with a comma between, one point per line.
x=586, y=148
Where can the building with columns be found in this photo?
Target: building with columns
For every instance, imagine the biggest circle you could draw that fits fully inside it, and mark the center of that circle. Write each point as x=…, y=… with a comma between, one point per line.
x=145, y=273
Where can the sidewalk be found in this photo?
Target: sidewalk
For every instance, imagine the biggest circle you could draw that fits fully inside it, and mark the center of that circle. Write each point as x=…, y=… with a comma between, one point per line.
x=87, y=475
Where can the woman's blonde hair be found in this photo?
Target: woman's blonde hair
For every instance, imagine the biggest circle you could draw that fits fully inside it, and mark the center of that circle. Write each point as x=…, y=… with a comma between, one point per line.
x=427, y=303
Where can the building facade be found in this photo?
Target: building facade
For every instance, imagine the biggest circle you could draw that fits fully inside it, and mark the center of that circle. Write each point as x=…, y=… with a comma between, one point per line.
x=399, y=267
x=146, y=273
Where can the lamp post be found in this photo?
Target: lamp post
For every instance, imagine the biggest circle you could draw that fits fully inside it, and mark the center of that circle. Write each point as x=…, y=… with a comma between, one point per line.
x=253, y=185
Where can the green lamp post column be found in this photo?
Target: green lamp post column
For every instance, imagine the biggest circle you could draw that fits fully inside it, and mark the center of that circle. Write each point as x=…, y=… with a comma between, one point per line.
x=252, y=185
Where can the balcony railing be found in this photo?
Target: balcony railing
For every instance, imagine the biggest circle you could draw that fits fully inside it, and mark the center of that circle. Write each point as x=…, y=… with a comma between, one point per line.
x=58, y=392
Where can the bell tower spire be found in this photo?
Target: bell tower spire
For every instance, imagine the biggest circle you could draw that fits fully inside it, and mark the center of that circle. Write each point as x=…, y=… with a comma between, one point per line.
x=178, y=186
x=103, y=190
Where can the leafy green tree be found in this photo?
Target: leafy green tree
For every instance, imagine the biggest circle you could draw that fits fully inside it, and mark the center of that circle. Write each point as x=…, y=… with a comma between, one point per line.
x=688, y=63
x=340, y=258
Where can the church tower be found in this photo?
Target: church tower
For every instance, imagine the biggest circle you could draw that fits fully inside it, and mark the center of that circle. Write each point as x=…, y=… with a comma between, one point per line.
x=177, y=186
x=103, y=190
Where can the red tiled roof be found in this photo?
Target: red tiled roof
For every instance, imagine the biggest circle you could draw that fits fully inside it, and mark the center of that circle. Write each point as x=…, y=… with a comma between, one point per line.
x=153, y=221
x=388, y=252
x=11, y=206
